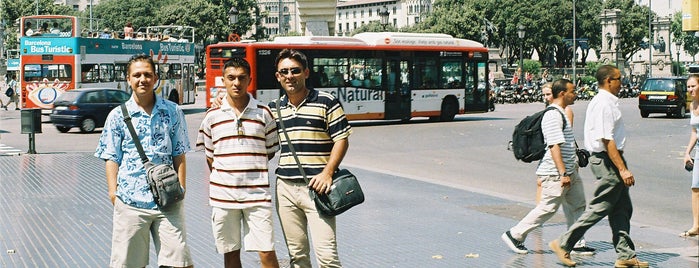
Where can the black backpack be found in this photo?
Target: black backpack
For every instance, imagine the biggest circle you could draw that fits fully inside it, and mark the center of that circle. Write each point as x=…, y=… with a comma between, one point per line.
x=9, y=92
x=528, y=140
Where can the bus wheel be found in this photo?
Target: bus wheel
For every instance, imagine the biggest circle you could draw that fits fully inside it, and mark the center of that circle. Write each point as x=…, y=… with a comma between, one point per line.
x=63, y=129
x=449, y=108
x=87, y=125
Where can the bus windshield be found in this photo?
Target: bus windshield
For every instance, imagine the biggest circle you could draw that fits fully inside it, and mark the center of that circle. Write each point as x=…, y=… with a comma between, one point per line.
x=48, y=27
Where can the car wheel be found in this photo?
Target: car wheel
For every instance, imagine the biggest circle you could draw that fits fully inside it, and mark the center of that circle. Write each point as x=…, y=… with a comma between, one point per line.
x=63, y=129
x=681, y=112
x=87, y=125
x=644, y=114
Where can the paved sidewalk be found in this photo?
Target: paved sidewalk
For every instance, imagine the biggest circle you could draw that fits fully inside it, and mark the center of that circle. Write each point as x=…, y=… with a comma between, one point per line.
x=54, y=212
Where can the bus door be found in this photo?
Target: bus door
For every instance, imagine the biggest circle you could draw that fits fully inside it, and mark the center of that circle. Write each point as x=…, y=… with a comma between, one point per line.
x=397, y=88
x=476, y=97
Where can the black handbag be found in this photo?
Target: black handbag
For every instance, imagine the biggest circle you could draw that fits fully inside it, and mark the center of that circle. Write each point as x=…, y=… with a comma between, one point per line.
x=345, y=191
x=583, y=156
x=162, y=178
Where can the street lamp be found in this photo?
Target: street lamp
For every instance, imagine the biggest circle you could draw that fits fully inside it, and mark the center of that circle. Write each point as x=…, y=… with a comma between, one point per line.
x=233, y=15
x=383, y=15
x=678, y=46
x=520, y=34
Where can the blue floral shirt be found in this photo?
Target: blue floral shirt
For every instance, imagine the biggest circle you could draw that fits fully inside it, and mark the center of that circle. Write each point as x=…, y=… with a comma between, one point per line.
x=163, y=135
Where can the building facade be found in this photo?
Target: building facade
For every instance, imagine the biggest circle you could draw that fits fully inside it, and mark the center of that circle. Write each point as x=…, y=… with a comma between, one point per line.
x=353, y=14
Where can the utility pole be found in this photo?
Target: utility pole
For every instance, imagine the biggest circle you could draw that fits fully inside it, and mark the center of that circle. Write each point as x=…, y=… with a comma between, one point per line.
x=3, y=60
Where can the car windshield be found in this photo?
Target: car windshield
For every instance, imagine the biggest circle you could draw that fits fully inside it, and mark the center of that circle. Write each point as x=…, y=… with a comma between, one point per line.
x=68, y=96
x=659, y=85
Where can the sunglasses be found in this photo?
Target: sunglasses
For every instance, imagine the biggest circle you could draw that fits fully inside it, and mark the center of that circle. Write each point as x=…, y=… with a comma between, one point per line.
x=293, y=71
x=239, y=127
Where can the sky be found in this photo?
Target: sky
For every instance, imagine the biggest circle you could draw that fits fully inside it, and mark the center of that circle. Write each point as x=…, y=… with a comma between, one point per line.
x=663, y=8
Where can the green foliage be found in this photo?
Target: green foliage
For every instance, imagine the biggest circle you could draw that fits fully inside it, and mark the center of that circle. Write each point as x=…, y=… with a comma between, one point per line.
x=531, y=66
x=591, y=68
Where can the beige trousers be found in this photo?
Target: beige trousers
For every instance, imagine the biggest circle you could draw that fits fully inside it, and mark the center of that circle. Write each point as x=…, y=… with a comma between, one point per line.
x=299, y=218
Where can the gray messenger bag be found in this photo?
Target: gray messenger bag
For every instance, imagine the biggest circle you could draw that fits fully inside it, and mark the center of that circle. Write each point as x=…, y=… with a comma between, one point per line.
x=162, y=178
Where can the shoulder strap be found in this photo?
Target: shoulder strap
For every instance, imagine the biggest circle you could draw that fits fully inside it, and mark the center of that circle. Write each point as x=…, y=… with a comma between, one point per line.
x=134, y=136
x=288, y=141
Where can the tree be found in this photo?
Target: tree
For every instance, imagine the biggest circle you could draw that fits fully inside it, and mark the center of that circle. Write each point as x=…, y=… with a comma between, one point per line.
x=114, y=14
x=190, y=12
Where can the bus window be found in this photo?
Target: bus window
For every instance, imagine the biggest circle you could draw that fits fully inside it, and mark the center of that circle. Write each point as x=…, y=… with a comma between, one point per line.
x=32, y=72
x=451, y=74
x=36, y=72
x=164, y=71
x=365, y=72
x=106, y=73
x=329, y=71
x=426, y=72
x=120, y=72
x=89, y=73
x=175, y=71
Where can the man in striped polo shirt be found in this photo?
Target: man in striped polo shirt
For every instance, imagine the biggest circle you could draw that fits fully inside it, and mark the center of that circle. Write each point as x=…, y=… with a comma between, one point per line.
x=319, y=131
x=557, y=171
x=239, y=138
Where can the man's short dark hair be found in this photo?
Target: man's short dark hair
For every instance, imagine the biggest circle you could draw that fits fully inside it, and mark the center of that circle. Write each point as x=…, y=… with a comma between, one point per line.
x=291, y=54
x=140, y=57
x=560, y=85
x=604, y=72
x=237, y=62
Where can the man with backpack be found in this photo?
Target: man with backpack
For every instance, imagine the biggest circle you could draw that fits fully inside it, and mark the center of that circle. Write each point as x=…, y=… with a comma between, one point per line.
x=605, y=137
x=557, y=171
x=12, y=89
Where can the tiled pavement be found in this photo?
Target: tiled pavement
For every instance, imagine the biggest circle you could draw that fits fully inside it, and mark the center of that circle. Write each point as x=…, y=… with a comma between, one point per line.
x=54, y=212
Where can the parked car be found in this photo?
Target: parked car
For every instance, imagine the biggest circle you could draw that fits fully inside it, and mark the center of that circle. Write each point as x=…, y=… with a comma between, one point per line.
x=85, y=108
x=666, y=95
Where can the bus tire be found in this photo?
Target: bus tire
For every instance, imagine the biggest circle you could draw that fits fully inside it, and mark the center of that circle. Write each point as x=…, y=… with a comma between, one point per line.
x=87, y=125
x=449, y=109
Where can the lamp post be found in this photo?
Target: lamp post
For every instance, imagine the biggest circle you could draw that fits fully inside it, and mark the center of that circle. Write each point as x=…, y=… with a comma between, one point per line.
x=233, y=19
x=678, y=46
x=617, y=40
x=383, y=15
x=520, y=34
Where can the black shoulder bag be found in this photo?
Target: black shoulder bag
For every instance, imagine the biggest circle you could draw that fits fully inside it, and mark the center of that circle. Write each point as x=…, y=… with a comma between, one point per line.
x=345, y=191
x=162, y=178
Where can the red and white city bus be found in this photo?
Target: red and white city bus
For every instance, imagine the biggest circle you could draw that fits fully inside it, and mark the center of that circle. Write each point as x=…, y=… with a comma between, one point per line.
x=374, y=75
x=56, y=55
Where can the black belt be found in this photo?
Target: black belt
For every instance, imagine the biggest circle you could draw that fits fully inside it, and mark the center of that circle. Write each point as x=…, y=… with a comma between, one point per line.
x=604, y=153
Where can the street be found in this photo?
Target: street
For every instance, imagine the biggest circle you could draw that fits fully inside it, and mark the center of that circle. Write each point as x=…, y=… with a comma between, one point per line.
x=438, y=195
x=469, y=153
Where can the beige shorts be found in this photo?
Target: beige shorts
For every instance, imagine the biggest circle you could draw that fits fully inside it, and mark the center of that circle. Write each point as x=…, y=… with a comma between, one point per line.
x=254, y=223
x=132, y=232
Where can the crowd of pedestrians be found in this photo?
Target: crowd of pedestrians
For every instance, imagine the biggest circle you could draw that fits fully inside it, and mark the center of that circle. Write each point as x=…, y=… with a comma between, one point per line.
x=239, y=136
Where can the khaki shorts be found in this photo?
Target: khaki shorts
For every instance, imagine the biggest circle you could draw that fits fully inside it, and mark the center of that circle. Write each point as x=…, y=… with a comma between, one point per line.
x=132, y=232
x=256, y=228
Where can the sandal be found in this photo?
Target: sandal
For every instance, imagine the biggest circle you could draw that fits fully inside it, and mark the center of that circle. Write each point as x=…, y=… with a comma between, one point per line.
x=689, y=233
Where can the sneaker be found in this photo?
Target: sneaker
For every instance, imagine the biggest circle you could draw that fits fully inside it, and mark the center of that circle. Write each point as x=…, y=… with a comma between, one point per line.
x=562, y=255
x=633, y=262
x=513, y=244
x=584, y=251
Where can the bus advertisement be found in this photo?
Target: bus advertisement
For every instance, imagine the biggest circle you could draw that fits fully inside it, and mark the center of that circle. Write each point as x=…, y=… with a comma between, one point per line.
x=57, y=59
x=374, y=75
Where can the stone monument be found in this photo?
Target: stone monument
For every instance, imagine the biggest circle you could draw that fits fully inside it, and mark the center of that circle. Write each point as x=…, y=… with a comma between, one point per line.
x=610, y=53
x=662, y=61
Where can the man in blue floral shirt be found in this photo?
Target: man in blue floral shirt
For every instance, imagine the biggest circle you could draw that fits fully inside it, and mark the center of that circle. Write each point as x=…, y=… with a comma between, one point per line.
x=162, y=130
